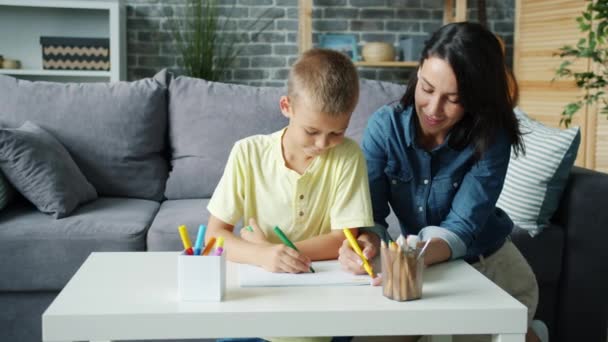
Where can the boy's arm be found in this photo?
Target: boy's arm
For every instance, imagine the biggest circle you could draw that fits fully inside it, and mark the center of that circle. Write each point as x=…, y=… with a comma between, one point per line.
x=237, y=249
x=323, y=247
x=271, y=257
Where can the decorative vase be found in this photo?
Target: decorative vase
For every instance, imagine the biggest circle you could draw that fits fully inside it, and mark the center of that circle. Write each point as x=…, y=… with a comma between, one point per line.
x=378, y=52
x=11, y=64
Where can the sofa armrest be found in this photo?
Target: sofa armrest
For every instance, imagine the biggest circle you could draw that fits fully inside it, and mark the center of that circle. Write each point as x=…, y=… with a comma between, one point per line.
x=583, y=296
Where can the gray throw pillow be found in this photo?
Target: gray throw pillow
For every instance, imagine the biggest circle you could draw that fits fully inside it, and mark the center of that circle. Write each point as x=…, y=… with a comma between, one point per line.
x=6, y=192
x=42, y=170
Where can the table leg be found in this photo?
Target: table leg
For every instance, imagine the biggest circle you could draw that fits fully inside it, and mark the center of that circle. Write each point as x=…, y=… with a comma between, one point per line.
x=509, y=338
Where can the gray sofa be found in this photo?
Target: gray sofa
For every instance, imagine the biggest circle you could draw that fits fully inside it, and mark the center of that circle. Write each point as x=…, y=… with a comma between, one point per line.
x=154, y=150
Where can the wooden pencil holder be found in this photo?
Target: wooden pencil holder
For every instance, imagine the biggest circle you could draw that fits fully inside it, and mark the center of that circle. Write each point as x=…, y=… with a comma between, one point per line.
x=402, y=273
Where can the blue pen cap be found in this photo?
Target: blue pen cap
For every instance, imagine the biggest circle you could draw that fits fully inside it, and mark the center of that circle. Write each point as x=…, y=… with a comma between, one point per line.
x=200, y=239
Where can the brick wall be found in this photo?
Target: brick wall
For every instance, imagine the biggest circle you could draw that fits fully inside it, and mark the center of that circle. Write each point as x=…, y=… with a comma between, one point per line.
x=265, y=59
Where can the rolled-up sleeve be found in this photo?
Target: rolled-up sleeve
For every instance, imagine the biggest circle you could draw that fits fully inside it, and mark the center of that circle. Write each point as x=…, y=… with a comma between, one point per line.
x=457, y=246
x=476, y=198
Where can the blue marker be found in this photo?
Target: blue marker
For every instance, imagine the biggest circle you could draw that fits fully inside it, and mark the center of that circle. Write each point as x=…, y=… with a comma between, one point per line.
x=200, y=239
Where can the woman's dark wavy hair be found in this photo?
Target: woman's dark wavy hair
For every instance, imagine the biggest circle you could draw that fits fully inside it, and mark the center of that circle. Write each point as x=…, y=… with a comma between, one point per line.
x=476, y=58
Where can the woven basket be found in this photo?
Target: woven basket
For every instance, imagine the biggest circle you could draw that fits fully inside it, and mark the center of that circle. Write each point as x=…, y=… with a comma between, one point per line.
x=378, y=52
x=68, y=53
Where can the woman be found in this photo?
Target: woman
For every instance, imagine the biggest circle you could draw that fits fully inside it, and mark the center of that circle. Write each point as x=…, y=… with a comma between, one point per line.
x=439, y=159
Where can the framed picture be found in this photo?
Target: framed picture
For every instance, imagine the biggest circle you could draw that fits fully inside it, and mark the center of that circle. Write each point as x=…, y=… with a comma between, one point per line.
x=345, y=43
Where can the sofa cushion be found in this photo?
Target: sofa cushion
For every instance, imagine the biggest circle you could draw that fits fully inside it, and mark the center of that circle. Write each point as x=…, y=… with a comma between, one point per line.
x=163, y=235
x=20, y=317
x=372, y=95
x=115, y=132
x=6, y=191
x=205, y=120
x=42, y=170
x=543, y=252
x=535, y=181
x=40, y=253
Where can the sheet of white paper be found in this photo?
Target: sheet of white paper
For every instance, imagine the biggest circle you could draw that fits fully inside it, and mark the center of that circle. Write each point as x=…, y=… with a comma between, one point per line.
x=326, y=273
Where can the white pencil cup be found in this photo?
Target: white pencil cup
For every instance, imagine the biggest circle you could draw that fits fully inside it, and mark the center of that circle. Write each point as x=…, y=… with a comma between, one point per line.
x=201, y=278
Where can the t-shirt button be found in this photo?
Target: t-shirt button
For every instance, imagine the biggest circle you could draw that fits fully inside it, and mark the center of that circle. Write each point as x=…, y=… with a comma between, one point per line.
x=419, y=208
x=301, y=213
x=301, y=196
x=426, y=181
x=394, y=181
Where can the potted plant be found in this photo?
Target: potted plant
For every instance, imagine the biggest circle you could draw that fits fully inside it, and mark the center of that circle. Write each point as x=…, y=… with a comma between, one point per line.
x=207, y=48
x=593, y=22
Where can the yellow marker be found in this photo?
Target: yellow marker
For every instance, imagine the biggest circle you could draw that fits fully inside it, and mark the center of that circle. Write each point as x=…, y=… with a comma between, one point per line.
x=355, y=246
x=219, y=246
x=183, y=233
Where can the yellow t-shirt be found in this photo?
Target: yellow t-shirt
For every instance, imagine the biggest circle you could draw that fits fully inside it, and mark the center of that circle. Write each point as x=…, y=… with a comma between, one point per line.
x=333, y=192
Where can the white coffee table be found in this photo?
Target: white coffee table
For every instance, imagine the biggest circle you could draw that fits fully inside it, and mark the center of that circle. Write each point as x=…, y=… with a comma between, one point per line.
x=128, y=296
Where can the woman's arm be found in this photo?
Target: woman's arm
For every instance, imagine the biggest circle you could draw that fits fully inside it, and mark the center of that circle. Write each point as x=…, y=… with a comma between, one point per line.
x=474, y=201
x=437, y=251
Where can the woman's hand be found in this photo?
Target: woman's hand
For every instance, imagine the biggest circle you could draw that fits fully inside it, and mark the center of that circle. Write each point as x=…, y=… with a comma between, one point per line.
x=350, y=261
x=255, y=236
x=437, y=251
x=282, y=259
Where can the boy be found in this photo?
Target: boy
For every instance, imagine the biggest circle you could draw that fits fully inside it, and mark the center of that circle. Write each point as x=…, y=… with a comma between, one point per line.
x=307, y=179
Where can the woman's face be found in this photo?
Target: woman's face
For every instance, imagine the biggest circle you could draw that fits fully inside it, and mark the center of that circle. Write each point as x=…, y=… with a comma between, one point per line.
x=436, y=98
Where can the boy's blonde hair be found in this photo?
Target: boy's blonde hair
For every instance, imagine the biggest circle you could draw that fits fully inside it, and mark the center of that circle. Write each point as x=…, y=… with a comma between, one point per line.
x=327, y=79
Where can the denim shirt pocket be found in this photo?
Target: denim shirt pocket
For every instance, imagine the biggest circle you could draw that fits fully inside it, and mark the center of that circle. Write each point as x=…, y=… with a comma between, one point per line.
x=401, y=187
x=443, y=191
x=397, y=174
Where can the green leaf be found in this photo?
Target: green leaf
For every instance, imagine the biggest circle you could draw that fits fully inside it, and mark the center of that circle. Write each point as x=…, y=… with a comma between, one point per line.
x=203, y=37
x=593, y=22
x=587, y=16
x=568, y=112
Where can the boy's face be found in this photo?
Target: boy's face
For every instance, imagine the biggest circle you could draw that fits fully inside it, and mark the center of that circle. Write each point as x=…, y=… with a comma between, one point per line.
x=310, y=131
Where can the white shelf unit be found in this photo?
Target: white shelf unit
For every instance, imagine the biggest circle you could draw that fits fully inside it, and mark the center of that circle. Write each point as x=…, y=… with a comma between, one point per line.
x=23, y=22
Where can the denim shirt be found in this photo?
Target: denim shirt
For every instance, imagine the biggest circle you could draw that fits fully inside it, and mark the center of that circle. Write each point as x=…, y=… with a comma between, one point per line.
x=444, y=193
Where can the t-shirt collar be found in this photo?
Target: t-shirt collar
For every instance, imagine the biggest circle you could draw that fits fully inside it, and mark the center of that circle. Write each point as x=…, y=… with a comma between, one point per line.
x=278, y=153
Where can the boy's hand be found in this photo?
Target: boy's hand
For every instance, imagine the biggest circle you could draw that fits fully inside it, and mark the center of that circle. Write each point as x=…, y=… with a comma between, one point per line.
x=350, y=261
x=255, y=236
x=282, y=259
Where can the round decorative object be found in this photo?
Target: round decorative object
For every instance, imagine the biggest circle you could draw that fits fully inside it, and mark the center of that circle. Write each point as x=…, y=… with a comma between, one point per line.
x=378, y=52
x=11, y=64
